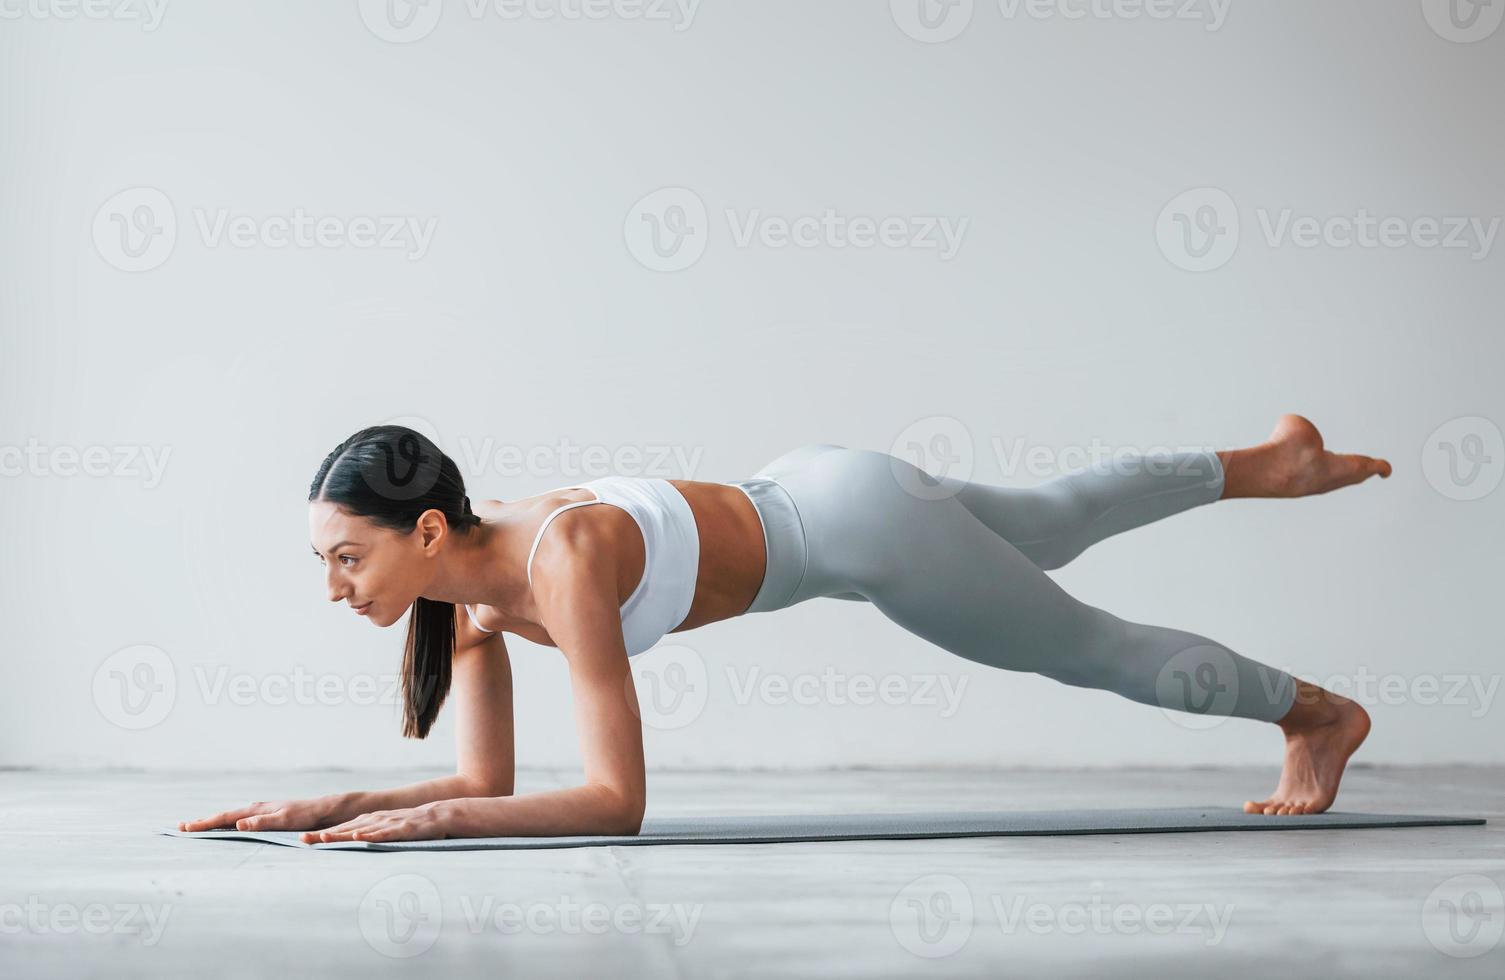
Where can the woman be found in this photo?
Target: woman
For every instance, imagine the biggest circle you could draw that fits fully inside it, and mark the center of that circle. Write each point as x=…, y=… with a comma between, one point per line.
x=960, y=564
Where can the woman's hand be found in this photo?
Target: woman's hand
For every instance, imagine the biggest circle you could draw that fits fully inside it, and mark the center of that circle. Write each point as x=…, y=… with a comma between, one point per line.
x=282, y=815
x=426, y=822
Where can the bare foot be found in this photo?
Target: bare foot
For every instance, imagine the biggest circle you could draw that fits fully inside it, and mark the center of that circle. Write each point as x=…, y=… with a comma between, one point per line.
x=1322, y=730
x=1292, y=463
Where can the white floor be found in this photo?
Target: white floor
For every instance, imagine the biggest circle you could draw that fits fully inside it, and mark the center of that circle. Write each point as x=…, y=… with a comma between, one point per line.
x=87, y=888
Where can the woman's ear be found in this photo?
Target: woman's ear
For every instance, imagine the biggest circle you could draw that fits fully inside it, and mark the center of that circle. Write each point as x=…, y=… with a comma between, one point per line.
x=431, y=528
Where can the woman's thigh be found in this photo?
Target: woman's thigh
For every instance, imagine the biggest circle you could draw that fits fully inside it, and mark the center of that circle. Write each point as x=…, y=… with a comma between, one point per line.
x=930, y=565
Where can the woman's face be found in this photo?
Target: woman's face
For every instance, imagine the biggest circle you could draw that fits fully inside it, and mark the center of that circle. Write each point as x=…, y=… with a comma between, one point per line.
x=365, y=566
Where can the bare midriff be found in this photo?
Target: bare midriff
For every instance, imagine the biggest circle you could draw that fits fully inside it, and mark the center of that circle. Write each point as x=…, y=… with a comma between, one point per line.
x=733, y=557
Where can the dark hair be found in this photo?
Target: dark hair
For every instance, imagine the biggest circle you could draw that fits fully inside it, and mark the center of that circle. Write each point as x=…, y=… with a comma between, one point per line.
x=391, y=474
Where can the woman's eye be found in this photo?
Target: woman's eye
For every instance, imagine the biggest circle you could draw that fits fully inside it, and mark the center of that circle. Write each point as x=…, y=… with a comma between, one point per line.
x=343, y=557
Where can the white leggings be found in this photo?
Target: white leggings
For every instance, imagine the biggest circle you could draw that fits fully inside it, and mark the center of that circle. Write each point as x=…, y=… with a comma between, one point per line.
x=962, y=564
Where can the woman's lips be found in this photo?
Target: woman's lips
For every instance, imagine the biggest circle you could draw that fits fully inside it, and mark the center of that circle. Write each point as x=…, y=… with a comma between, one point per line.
x=362, y=610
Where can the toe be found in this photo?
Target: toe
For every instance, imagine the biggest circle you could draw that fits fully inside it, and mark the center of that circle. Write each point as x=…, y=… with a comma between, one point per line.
x=1353, y=468
x=1374, y=466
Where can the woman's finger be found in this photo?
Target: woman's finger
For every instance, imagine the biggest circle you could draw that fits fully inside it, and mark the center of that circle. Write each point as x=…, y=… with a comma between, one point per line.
x=363, y=820
x=361, y=827
x=273, y=820
x=225, y=819
x=347, y=824
x=376, y=829
x=205, y=823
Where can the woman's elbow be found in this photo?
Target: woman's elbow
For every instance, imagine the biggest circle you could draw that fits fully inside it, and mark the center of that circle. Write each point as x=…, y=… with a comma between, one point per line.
x=626, y=814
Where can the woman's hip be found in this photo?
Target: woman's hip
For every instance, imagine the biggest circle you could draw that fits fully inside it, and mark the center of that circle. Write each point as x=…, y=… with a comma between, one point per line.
x=827, y=511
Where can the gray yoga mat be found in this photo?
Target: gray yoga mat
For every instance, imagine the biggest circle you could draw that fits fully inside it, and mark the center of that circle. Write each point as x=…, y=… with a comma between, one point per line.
x=887, y=826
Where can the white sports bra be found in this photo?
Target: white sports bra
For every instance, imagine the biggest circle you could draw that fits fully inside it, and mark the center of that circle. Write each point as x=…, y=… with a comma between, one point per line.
x=671, y=545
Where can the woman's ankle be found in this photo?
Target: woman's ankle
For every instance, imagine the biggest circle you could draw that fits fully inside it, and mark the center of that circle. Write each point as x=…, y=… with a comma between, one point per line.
x=1312, y=707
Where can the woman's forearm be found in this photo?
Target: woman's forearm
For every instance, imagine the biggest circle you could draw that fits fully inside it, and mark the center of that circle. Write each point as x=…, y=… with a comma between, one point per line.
x=589, y=809
x=358, y=802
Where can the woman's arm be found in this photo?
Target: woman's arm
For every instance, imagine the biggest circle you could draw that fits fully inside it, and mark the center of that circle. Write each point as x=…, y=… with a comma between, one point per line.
x=481, y=692
x=614, y=796
x=576, y=594
x=481, y=689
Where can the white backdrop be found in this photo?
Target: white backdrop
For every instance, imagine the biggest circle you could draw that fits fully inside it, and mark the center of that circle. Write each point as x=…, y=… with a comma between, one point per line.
x=688, y=238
